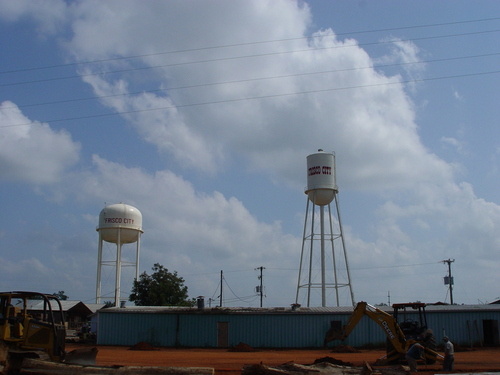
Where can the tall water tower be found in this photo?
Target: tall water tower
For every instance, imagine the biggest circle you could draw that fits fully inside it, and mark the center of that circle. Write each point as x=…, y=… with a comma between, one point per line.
x=118, y=224
x=333, y=267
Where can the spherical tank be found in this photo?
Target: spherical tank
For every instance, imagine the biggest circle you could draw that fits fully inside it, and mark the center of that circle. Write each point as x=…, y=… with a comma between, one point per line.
x=321, y=187
x=120, y=220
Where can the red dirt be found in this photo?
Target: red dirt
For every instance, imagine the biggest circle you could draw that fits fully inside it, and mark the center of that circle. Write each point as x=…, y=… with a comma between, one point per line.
x=231, y=362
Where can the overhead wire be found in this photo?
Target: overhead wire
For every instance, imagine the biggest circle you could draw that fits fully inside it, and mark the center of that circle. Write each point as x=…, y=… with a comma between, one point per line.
x=78, y=76
x=258, y=78
x=306, y=92
x=371, y=31
x=237, y=298
x=210, y=84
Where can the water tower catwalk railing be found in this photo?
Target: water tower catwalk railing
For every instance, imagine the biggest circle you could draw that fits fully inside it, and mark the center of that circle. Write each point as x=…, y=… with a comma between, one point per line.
x=334, y=273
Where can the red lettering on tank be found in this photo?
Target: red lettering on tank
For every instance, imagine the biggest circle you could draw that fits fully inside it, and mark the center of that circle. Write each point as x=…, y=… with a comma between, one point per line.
x=319, y=170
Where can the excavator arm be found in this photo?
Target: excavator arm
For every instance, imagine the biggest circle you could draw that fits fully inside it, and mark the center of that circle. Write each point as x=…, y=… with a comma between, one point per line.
x=395, y=335
x=385, y=320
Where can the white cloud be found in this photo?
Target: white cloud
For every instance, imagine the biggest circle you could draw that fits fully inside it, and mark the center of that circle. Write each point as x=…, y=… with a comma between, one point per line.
x=458, y=96
x=185, y=230
x=267, y=111
x=454, y=143
x=49, y=14
x=159, y=122
x=273, y=133
x=404, y=56
x=31, y=151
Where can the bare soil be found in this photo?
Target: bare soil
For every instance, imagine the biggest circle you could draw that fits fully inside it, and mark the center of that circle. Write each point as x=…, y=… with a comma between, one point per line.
x=231, y=362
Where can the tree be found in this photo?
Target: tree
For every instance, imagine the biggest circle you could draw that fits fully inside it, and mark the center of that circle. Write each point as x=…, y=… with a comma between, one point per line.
x=61, y=295
x=162, y=288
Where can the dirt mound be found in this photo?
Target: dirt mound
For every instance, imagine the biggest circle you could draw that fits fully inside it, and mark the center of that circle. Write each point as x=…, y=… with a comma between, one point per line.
x=344, y=349
x=143, y=346
x=292, y=368
x=242, y=347
x=333, y=361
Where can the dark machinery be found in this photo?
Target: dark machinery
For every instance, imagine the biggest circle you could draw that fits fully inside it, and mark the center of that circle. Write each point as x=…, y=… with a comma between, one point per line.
x=26, y=333
x=400, y=336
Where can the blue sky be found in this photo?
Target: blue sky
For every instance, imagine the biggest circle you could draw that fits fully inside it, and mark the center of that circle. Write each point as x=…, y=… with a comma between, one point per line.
x=201, y=115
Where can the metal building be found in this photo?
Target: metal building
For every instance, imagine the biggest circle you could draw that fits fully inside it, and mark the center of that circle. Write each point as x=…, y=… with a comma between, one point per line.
x=466, y=325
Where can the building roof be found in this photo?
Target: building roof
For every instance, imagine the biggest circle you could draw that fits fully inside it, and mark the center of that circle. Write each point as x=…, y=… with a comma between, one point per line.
x=283, y=310
x=89, y=308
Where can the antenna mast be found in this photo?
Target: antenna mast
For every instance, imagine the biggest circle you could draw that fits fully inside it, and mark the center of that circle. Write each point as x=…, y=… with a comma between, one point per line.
x=221, y=278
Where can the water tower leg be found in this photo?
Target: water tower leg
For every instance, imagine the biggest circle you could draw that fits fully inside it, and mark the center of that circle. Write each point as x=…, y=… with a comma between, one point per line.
x=311, y=248
x=334, y=274
x=323, y=271
x=118, y=268
x=137, y=251
x=99, y=270
x=345, y=252
x=302, y=254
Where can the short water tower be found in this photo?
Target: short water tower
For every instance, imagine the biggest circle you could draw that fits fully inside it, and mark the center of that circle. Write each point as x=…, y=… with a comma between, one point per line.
x=118, y=224
x=321, y=191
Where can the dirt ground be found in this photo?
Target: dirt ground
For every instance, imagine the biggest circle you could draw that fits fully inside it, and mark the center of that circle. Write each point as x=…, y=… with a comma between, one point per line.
x=227, y=362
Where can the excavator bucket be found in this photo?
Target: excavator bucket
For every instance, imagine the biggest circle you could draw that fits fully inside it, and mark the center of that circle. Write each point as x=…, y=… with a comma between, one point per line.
x=333, y=334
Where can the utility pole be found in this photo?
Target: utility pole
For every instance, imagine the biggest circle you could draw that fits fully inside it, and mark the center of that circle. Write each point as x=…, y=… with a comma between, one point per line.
x=261, y=291
x=221, y=278
x=449, y=279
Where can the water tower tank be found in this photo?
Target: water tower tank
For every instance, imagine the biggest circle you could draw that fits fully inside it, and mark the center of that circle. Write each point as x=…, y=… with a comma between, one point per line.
x=120, y=220
x=321, y=187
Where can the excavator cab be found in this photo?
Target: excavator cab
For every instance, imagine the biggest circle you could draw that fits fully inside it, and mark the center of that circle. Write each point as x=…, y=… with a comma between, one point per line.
x=411, y=327
x=412, y=320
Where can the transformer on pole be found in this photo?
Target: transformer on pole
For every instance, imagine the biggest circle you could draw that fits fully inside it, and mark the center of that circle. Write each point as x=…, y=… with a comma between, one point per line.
x=448, y=280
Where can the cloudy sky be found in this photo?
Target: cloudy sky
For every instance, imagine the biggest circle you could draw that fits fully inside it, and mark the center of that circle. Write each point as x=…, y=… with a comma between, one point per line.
x=201, y=115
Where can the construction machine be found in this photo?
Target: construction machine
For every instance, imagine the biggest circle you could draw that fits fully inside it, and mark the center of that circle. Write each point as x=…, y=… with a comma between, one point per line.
x=33, y=342
x=400, y=336
x=26, y=333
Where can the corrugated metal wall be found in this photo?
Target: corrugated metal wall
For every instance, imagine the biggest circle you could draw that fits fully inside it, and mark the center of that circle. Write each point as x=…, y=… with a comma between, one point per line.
x=289, y=330
x=201, y=330
x=465, y=328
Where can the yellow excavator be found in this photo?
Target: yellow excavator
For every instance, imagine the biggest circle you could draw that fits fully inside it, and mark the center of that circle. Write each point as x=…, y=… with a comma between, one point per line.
x=400, y=336
x=26, y=333
x=33, y=342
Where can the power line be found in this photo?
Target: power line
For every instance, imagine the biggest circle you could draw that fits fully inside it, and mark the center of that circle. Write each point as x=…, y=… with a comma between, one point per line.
x=367, y=268
x=246, y=44
x=258, y=79
x=237, y=298
x=235, y=58
x=307, y=92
